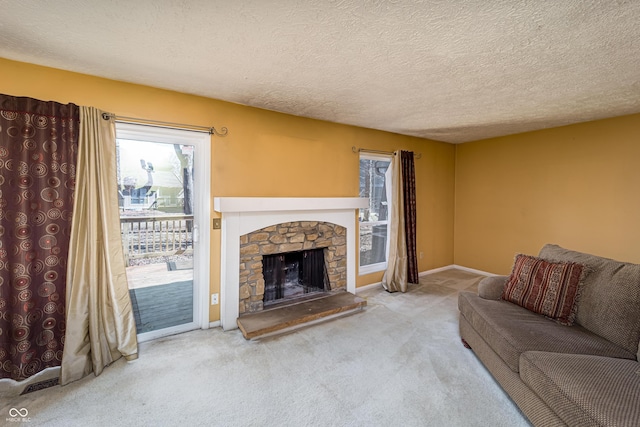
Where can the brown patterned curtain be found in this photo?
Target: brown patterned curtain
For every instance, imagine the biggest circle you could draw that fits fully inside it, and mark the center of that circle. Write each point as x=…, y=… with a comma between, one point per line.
x=409, y=196
x=38, y=149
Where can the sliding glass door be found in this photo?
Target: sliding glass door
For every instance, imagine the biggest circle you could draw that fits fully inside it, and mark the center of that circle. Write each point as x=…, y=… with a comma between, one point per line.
x=162, y=206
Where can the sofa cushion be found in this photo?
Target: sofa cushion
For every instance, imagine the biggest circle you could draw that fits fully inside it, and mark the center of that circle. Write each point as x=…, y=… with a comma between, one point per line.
x=585, y=390
x=492, y=287
x=511, y=330
x=609, y=302
x=545, y=287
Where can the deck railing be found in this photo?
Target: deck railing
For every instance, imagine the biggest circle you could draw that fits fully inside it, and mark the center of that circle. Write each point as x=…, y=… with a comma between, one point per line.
x=153, y=236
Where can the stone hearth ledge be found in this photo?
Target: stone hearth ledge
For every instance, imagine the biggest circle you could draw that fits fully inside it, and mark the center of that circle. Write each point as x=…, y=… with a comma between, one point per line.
x=242, y=215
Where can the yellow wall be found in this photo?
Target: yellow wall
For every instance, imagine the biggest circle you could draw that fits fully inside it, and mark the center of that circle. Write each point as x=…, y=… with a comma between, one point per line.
x=576, y=186
x=265, y=153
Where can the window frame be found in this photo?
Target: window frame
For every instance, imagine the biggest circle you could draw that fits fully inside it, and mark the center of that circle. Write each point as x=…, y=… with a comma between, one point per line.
x=379, y=266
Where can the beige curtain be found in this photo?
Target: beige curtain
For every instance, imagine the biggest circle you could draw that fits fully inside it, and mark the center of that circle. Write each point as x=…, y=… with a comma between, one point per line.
x=100, y=327
x=395, y=278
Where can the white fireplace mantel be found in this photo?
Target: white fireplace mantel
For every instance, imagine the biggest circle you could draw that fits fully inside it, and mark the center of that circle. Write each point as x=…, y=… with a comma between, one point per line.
x=242, y=215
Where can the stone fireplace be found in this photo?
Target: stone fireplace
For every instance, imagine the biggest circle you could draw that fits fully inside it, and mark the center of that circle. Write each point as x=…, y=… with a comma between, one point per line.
x=291, y=260
x=243, y=217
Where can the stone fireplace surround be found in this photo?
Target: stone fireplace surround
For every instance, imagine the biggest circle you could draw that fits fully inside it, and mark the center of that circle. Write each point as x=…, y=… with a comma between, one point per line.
x=243, y=215
x=289, y=237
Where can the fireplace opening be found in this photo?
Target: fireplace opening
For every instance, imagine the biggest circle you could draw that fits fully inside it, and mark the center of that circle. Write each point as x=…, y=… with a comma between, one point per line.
x=292, y=275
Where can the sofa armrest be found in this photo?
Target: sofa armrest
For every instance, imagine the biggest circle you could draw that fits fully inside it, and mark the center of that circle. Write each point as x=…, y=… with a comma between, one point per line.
x=491, y=287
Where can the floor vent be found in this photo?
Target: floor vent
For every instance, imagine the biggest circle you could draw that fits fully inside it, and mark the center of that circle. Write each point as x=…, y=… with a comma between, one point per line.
x=40, y=385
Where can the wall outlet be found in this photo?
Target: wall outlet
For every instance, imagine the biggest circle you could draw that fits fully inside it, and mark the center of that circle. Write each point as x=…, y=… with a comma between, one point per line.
x=214, y=299
x=421, y=255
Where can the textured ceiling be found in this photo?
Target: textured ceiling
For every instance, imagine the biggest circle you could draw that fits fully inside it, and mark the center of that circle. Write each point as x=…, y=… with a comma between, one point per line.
x=449, y=70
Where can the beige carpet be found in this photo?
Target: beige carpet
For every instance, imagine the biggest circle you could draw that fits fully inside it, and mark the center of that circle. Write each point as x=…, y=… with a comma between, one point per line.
x=398, y=363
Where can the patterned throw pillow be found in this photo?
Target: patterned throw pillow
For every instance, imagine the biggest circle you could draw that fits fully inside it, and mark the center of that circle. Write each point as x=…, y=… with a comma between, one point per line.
x=544, y=287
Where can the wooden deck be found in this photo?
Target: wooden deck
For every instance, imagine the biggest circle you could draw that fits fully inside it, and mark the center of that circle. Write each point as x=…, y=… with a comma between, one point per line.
x=154, y=234
x=161, y=295
x=162, y=306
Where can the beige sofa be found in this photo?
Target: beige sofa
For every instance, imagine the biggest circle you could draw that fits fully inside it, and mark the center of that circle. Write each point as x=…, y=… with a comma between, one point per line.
x=586, y=374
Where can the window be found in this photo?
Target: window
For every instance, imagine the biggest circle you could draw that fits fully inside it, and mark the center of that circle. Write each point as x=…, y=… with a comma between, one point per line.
x=374, y=220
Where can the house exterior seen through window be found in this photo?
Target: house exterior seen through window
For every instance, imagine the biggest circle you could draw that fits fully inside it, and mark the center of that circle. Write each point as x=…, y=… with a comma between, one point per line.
x=374, y=220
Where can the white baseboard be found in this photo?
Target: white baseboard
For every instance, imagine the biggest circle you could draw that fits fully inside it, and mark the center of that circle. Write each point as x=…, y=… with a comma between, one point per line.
x=456, y=267
x=367, y=287
x=215, y=324
x=473, y=270
x=437, y=270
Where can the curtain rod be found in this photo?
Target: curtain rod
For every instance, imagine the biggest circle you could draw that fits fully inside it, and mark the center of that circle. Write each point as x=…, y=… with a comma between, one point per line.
x=210, y=130
x=364, y=150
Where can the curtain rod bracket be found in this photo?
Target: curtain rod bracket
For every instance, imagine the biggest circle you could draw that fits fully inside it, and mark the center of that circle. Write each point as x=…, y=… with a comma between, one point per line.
x=223, y=131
